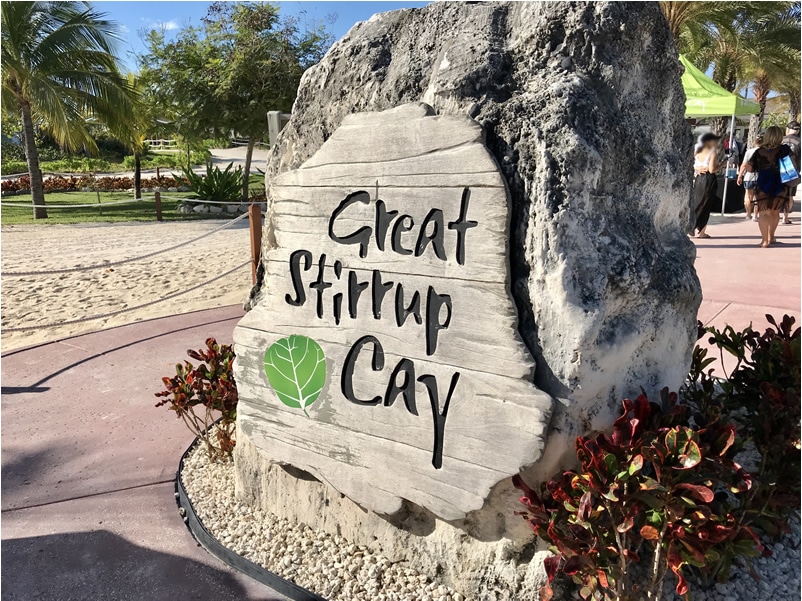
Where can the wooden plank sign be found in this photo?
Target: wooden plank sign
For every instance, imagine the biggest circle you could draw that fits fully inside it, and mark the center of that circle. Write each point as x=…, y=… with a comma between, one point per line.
x=384, y=357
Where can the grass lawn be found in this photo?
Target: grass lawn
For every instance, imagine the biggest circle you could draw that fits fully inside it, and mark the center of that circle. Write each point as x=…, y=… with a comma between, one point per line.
x=144, y=210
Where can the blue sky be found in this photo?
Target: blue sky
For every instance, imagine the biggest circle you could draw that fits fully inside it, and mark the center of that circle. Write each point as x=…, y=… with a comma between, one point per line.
x=133, y=17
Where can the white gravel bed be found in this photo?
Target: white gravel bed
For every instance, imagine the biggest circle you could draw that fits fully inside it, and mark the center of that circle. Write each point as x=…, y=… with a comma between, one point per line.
x=335, y=568
x=329, y=565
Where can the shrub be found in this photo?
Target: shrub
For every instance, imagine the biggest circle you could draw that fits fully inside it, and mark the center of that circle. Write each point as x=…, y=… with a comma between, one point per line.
x=19, y=183
x=197, y=393
x=762, y=394
x=664, y=489
x=655, y=490
x=14, y=167
x=217, y=185
x=63, y=183
x=10, y=151
x=104, y=184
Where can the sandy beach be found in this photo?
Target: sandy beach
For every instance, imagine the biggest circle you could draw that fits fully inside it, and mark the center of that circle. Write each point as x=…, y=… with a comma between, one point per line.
x=50, y=299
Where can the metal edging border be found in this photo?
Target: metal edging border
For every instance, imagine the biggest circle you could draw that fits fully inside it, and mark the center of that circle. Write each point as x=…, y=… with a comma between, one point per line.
x=227, y=556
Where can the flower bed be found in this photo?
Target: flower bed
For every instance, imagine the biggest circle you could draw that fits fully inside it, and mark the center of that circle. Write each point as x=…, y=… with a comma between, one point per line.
x=57, y=183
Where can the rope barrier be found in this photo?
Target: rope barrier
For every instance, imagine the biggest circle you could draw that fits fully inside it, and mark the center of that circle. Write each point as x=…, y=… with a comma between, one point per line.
x=213, y=202
x=122, y=202
x=127, y=309
x=124, y=261
x=102, y=205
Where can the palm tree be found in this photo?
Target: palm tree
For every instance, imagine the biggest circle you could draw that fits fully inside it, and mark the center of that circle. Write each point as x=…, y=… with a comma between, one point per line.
x=58, y=70
x=772, y=53
x=701, y=31
x=746, y=43
x=696, y=25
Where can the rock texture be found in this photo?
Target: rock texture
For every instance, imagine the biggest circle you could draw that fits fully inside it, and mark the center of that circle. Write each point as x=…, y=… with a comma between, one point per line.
x=582, y=108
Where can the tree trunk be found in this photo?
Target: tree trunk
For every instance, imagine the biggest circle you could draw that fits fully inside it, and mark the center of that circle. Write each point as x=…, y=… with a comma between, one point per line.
x=754, y=128
x=793, y=105
x=32, y=155
x=761, y=91
x=137, y=176
x=189, y=158
x=721, y=127
x=246, y=175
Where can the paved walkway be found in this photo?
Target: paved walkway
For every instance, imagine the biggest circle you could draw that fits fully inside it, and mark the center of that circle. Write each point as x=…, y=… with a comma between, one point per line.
x=742, y=282
x=88, y=461
x=88, y=465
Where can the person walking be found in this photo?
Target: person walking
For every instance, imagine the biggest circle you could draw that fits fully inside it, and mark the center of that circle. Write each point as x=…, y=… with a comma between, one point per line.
x=748, y=179
x=771, y=194
x=792, y=140
x=705, y=184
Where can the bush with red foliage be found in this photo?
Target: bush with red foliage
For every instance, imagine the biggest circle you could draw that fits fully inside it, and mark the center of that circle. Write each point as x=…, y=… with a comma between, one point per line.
x=104, y=184
x=656, y=490
x=198, y=394
x=664, y=491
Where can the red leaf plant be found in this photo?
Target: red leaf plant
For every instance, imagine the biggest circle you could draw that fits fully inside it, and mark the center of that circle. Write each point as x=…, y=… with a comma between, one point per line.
x=196, y=394
x=654, y=492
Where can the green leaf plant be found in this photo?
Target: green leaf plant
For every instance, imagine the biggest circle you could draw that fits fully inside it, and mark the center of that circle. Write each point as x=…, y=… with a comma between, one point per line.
x=761, y=394
x=217, y=185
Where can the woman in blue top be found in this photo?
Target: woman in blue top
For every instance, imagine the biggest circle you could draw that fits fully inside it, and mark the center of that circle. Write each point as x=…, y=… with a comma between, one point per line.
x=771, y=194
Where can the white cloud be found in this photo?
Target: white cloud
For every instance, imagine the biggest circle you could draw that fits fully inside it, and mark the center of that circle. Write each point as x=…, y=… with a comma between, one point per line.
x=167, y=25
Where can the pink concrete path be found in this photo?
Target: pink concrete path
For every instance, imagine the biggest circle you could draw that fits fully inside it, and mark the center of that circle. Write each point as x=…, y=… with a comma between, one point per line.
x=88, y=461
x=88, y=464
x=742, y=282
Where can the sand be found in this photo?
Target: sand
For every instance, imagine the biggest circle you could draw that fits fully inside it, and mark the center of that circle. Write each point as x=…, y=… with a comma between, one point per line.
x=51, y=299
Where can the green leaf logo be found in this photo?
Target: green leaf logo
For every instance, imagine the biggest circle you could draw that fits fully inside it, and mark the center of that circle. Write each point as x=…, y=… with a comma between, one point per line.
x=296, y=369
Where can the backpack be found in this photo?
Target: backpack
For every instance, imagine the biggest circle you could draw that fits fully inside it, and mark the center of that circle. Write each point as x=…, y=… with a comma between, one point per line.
x=769, y=179
x=793, y=143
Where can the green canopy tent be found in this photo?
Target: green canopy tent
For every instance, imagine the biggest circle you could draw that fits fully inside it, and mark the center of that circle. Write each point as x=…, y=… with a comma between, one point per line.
x=704, y=98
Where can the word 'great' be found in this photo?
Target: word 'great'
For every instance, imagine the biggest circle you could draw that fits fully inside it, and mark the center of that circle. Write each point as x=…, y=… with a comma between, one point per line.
x=428, y=308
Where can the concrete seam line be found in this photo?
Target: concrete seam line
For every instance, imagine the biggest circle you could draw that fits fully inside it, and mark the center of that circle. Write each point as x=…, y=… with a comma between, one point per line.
x=87, y=496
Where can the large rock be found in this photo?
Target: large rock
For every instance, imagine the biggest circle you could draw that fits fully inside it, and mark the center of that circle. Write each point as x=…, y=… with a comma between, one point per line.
x=582, y=108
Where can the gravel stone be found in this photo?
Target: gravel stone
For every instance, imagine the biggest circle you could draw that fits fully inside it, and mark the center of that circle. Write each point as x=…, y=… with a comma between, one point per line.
x=343, y=571
x=778, y=575
x=348, y=572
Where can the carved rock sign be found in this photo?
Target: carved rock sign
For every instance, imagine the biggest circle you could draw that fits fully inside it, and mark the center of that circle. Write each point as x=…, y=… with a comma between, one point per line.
x=384, y=357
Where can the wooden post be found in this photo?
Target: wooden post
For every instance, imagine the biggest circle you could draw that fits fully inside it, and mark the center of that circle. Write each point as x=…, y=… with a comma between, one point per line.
x=255, y=216
x=158, y=206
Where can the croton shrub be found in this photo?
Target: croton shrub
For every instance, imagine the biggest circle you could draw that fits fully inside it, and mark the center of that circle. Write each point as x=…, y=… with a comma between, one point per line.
x=104, y=184
x=663, y=493
x=201, y=394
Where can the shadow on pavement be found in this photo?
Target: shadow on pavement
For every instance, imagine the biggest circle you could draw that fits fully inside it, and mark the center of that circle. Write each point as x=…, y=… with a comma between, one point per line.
x=101, y=566
x=20, y=469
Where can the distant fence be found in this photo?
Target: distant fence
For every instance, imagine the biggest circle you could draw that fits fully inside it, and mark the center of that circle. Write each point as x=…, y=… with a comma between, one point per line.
x=162, y=144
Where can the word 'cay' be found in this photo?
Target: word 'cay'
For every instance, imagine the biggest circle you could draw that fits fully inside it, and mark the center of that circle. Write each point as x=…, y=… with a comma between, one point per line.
x=427, y=308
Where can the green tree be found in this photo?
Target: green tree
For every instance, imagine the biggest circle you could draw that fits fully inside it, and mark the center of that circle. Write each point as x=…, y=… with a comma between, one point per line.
x=747, y=44
x=696, y=26
x=224, y=77
x=58, y=70
x=772, y=54
x=175, y=85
